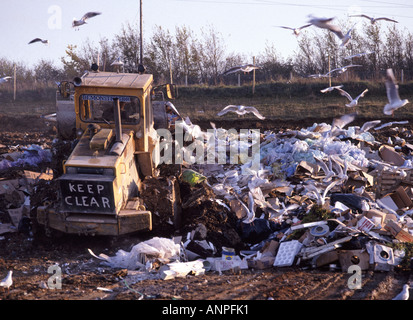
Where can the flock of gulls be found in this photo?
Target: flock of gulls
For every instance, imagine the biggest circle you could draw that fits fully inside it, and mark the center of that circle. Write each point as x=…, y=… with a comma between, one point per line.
x=392, y=89
x=76, y=23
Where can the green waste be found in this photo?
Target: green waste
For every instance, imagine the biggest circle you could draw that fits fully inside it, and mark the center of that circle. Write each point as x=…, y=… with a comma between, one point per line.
x=192, y=177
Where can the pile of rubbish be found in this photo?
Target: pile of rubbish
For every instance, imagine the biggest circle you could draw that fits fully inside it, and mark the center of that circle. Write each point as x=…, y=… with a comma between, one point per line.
x=330, y=195
x=322, y=197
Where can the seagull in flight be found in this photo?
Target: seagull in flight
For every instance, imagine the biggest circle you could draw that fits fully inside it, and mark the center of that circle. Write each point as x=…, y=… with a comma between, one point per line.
x=118, y=62
x=339, y=123
x=317, y=76
x=325, y=23
x=46, y=42
x=392, y=94
x=4, y=79
x=296, y=31
x=368, y=125
x=331, y=88
x=346, y=38
x=389, y=124
x=240, y=110
x=358, y=55
x=244, y=68
x=82, y=21
x=374, y=20
x=343, y=69
x=353, y=102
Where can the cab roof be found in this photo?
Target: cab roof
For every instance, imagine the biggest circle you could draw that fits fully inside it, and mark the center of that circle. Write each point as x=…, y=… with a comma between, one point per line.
x=118, y=80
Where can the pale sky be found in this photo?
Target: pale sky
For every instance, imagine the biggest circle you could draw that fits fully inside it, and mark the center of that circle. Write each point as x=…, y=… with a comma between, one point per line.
x=246, y=26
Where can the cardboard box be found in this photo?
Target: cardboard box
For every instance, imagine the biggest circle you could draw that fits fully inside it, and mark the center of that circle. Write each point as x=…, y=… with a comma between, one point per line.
x=398, y=232
x=401, y=198
x=365, y=224
x=390, y=155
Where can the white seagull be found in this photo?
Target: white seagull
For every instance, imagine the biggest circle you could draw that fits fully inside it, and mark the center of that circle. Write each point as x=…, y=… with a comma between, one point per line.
x=325, y=23
x=357, y=55
x=392, y=94
x=82, y=21
x=343, y=69
x=346, y=38
x=117, y=62
x=339, y=123
x=331, y=88
x=368, y=125
x=296, y=31
x=317, y=76
x=404, y=294
x=321, y=198
x=46, y=42
x=7, y=281
x=4, y=79
x=374, y=20
x=244, y=68
x=353, y=102
x=241, y=110
x=389, y=124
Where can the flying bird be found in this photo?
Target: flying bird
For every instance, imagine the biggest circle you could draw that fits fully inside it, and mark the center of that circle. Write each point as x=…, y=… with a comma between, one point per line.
x=358, y=55
x=343, y=69
x=389, y=124
x=117, y=62
x=392, y=94
x=82, y=21
x=46, y=42
x=240, y=110
x=340, y=123
x=244, y=68
x=368, y=125
x=404, y=294
x=346, y=38
x=353, y=102
x=317, y=76
x=374, y=20
x=325, y=23
x=296, y=31
x=331, y=88
x=4, y=79
x=7, y=281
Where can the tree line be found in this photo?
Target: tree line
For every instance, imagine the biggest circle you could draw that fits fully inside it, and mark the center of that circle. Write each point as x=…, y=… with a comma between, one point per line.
x=185, y=58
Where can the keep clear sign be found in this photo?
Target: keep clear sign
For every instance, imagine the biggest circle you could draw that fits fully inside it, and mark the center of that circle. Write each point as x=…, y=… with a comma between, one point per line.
x=87, y=195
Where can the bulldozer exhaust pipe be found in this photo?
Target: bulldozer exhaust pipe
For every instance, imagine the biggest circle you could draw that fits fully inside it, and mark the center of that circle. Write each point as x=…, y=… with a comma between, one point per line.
x=118, y=124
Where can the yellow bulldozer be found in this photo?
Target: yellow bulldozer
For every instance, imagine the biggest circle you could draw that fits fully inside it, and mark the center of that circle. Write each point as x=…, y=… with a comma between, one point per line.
x=113, y=118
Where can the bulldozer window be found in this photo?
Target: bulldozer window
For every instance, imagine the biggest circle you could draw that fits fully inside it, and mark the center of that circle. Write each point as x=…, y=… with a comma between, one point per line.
x=100, y=108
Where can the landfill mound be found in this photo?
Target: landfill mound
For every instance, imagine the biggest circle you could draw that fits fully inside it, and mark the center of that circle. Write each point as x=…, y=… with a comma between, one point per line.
x=324, y=197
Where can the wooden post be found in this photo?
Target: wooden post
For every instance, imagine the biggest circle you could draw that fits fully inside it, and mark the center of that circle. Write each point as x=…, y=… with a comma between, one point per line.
x=170, y=71
x=253, y=76
x=329, y=69
x=239, y=79
x=14, y=83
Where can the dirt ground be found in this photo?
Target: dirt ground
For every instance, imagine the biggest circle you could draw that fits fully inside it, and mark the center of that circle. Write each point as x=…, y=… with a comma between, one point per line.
x=85, y=278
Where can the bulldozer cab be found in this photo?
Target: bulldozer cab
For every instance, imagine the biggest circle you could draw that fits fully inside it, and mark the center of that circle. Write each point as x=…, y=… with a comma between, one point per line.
x=94, y=103
x=102, y=177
